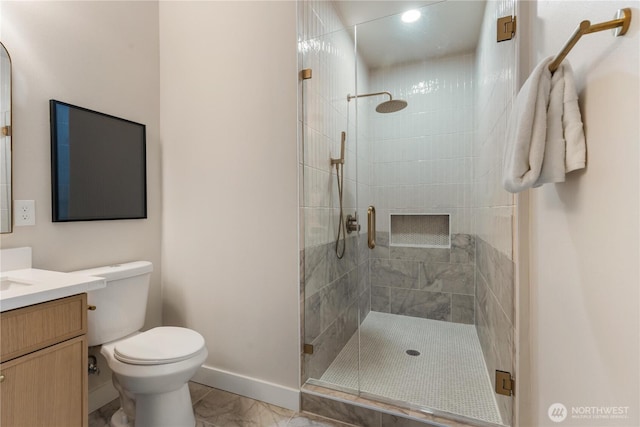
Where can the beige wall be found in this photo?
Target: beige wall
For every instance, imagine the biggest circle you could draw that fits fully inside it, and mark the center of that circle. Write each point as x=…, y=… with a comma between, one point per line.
x=99, y=55
x=232, y=259
x=230, y=223
x=584, y=233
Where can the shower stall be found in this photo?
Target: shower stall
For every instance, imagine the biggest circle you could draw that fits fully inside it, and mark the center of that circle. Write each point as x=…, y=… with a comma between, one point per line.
x=407, y=121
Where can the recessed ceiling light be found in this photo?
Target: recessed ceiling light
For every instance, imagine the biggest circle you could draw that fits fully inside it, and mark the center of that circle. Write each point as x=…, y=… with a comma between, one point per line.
x=411, y=16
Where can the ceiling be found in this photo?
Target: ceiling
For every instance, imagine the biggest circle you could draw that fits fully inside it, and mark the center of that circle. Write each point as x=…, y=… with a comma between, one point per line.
x=445, y=28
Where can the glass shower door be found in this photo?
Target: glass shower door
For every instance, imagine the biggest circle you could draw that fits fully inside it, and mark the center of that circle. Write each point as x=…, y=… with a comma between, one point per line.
x=332, y=292
x=430, y=339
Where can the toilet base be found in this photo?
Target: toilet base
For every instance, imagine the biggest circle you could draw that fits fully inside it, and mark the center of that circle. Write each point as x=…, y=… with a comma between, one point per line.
x=120, y=419
x=171, y=409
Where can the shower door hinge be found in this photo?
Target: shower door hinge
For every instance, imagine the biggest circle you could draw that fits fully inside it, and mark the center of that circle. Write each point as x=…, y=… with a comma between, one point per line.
x=505, y=384
x=308, y=349
x=506, y=28
x=305, y=74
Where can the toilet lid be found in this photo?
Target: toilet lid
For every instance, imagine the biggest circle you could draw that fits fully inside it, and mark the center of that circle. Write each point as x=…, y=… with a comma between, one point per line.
x=166, y=344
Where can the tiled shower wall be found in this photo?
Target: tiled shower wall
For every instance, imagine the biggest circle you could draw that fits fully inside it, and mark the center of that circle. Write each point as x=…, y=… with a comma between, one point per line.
x=431, y=283
x=495, y=84
x=422, y=155
x=335, y=290
x=421, y=162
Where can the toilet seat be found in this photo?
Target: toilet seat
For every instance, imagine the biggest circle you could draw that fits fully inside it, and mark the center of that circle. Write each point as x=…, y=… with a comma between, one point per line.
x=157, y=346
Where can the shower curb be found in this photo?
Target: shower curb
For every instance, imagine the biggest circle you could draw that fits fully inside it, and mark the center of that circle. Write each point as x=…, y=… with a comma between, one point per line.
x=359, y=411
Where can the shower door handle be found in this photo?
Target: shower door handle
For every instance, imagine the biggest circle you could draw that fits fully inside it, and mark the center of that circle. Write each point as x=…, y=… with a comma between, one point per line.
x=371, y=227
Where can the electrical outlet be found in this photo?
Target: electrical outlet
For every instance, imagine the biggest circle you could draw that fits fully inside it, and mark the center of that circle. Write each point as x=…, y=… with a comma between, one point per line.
x=24, y=212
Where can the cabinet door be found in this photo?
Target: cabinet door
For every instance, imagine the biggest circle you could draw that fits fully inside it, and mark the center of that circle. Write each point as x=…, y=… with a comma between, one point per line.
x=46, y=388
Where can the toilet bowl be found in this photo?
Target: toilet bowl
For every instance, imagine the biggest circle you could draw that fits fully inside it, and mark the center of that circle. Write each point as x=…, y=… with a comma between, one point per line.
x=151, y=369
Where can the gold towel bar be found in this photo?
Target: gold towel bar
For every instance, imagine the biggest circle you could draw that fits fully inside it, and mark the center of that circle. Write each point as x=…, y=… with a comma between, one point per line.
x=623, y=19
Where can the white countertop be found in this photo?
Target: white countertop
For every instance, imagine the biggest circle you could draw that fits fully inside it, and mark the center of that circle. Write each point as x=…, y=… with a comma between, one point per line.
x=20, y=288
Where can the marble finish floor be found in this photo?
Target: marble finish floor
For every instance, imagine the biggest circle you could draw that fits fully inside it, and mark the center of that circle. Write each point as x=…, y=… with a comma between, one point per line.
x=217, y=408
x=448, y=375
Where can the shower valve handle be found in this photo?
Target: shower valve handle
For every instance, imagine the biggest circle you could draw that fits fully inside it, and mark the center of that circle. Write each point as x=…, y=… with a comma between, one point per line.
x=352, y=223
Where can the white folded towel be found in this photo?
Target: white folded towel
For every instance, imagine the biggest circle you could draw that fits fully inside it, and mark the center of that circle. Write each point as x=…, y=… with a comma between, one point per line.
x=576, y=152
x=544, y=138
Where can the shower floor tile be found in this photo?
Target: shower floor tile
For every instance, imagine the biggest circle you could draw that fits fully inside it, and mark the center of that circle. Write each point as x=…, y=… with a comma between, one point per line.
x=449, y=374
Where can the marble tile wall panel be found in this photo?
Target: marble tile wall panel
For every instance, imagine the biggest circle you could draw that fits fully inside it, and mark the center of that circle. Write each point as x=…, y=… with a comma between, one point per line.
x=340, y=411
x=496, y=335
x=364, y=288
x=311, y=317
x=441, y=275
x=325, y=349
x=395, y=273
x=328, y=344
x=347, y=324
x=322, y=266
x=360, y=411
x=389, y=420
x=333, y=300
x=365, y=304
x=363, y=249
x=382, y=246
x=380, y=299
x=420, y=254
x=498, y=270
x=332, y=309
x=316, y=269
x=446, y=277
x=429, y=305
x=462, y=308
x=463, y=248
x=363, y=276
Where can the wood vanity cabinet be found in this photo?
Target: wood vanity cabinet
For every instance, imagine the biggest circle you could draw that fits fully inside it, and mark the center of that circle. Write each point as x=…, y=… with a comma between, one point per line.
x=43, y=364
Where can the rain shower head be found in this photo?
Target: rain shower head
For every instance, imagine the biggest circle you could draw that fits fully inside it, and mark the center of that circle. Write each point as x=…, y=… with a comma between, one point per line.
x=390, y=106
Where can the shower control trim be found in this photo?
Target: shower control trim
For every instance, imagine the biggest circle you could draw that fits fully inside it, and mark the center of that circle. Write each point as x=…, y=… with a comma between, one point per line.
x=352, y=223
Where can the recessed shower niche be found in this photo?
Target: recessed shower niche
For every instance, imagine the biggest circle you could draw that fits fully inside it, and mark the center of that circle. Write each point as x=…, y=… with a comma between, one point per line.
x=420, y=230
x=439, y=279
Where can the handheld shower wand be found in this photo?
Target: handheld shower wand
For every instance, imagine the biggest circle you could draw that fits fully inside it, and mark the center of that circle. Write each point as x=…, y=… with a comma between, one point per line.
x=340, y=161
x=340, y=176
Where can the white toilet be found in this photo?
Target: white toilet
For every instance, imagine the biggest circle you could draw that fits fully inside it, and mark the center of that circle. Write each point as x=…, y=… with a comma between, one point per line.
x=150, y=369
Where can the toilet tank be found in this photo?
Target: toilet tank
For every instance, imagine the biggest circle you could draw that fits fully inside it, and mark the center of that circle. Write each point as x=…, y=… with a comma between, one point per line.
x=120, y=306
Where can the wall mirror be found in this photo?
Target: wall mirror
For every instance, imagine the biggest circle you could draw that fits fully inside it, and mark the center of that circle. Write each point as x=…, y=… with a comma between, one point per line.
x=6, y=194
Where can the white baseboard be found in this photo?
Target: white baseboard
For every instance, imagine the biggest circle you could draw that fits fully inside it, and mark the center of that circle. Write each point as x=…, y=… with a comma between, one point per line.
x=101, y=395
x=274, y=394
